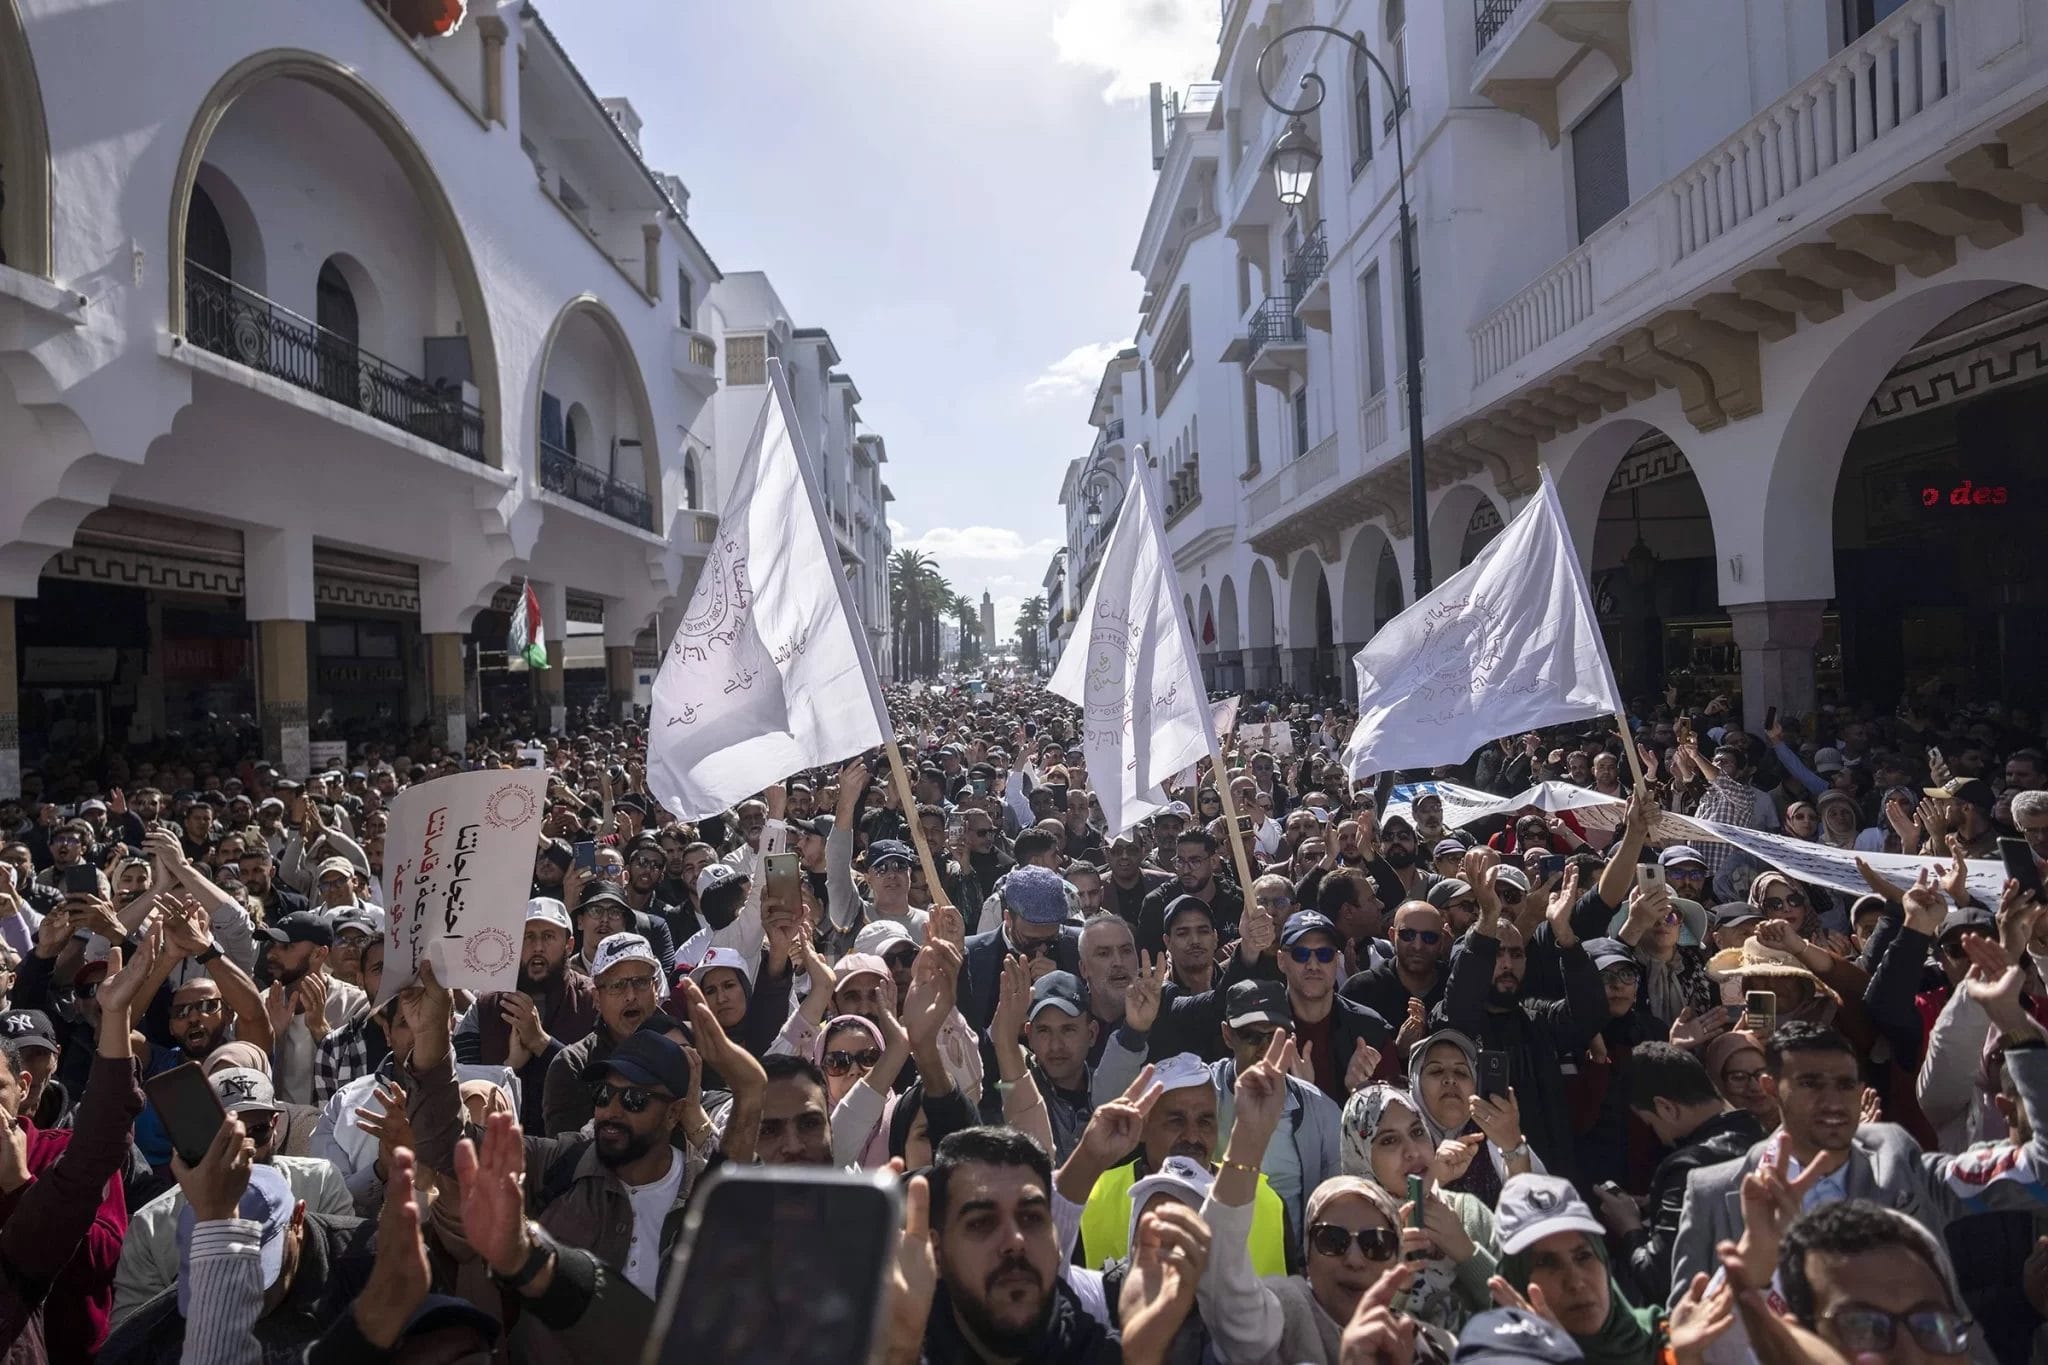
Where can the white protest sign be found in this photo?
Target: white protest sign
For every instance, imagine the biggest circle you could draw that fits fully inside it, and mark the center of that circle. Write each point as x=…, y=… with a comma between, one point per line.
x=458, y=857
x=327, y=754
x=1273, y=737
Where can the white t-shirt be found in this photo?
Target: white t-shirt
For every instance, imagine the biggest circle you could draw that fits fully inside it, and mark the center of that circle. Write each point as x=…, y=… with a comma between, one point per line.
x=651, y=1203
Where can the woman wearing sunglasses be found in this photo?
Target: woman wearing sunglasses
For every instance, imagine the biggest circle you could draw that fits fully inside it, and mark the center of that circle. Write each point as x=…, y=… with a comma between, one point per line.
x=1387, y=1142
x=861, y=1060
x=1352, y=1235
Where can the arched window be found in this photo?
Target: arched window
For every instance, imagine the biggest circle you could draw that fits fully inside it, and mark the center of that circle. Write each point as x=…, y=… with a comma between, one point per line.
x=1397, y=47
x=340, y=332
x=206, y=236
x=576, y=431
x=690, y=480
x=1361, y=110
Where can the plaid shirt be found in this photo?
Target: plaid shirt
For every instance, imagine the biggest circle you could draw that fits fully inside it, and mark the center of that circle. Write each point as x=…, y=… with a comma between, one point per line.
x=1730, y=802
x=355, y=1049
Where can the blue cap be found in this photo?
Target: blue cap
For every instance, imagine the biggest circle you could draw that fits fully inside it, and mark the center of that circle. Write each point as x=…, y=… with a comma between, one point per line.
x=892, y=851
x=268, y=1201
x=1037, y=894
x=1302, y=923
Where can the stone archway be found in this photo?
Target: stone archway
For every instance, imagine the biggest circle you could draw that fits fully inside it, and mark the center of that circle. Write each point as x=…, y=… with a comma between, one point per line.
x=1262, y=655
x=1205, y=637
x=1370, y=572
x=363, y=100
x=1452, y=529
x=25, y=238
x=1311, y=627
x=1229, y=643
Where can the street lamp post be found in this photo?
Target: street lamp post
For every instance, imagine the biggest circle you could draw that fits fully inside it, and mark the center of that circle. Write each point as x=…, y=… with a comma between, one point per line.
x=1293, y=160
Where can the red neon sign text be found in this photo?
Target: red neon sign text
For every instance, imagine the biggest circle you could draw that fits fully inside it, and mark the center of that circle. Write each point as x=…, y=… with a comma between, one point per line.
x=1965, y=494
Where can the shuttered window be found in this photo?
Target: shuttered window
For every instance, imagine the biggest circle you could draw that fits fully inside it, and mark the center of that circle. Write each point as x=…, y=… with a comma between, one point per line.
x=1600, y=165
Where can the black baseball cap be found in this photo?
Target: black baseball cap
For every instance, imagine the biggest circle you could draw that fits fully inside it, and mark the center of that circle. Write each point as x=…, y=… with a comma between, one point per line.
x=1180, y=905
x=301, y=927
x=1059, y=990
x=29, y=1028
x=1258, y=1002
x=604, y=895
x=650, y=1058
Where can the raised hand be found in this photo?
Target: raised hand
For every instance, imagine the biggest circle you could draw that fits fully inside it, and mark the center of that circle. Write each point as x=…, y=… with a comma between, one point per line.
x=1506, y=1295
x=913, y=1274
x=1114, y=1128
x=2019, y=916
x=1013, y=1001
x=1303, y=1066
x=1955, y=878
x=1441, y=1234
x=1168, y=1255
x=390, y=1125
x=1560, y=912
x=54, y=932
x=1499, y=1117
x=933, y=983
x=1923, y=905
x=1358, y=1072
x=1700, y=1319
x=740, y=1069
x=214, y=1187
x=493, y=1195
x=119, y=993
x=1378, y=1334
x=1454, y=1157
x=1256, y=930
x=400, y=1276
x=1143, y=996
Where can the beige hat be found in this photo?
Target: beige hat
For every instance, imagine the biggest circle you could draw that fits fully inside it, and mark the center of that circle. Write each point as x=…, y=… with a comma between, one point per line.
x=1754, y=958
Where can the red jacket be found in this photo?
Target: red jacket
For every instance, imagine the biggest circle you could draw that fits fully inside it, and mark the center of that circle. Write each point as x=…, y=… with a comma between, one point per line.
x=58, y=1220
x=81, y=1302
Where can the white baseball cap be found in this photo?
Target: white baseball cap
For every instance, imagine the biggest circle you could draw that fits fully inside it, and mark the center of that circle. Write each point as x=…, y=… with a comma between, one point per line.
x=548, y=910
x=625, y=947
x=722, y=957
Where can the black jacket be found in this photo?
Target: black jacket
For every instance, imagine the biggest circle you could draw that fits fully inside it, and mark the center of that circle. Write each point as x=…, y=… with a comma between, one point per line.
x=1226, y=902
x=1646, y=1252
x=1379, y=989
x=1539, y=1037
x=1071, y=1335
x=981, y=978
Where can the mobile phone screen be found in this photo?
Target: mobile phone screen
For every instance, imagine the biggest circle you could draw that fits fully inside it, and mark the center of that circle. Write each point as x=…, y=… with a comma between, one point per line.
x=82, y=879
x=1551, y=865
x=586, y=854
x=782, y=1265
x=1493, y=1073
x=191, y=1112
x=1762, y=1007
x=1649, y=875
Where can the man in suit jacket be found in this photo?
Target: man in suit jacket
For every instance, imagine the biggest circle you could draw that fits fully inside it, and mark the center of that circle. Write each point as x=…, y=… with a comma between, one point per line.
x=1813, y=1071
x=1034, y=924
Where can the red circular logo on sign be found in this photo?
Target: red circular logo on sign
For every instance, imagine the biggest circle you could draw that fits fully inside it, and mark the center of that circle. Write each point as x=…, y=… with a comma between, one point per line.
x=510, y=806
x=489, y=950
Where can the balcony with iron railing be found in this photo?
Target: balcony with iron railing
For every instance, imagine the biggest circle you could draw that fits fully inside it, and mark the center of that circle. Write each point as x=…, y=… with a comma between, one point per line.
x=1307, y=275
x=1276, y=342
x=562, y=473
x=1489, y=17
x=241, y=325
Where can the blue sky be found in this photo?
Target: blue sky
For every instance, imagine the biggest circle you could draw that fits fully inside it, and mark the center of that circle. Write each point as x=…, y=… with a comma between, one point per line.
x=953, y=188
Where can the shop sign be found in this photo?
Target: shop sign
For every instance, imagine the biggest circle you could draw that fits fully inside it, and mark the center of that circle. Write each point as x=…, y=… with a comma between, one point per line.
x=1964, y=494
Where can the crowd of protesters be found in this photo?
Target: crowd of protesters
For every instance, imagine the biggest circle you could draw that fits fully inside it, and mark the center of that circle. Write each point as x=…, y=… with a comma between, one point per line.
x=1327, y=1082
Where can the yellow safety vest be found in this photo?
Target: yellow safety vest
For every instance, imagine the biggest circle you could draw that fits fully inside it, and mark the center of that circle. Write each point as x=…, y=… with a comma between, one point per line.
x=1106, y=1223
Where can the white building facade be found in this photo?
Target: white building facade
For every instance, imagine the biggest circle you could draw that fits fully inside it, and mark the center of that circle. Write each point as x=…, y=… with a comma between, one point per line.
x=316, y=339
x=1763, y=286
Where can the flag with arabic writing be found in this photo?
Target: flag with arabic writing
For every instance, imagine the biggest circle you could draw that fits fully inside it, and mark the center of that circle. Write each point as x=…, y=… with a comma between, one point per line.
x=768, y=673
x=1131, y=669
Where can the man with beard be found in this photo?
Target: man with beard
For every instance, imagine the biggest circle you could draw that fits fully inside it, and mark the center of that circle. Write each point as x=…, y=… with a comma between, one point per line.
x=646, y=865
x=1483, y=1000
x=630, y=987
x=1399, y=873
x=303, y=991
x=1335, y=1035
x=1180, y=1120
x=1195, y=875
x=1003, y=1292
x=1130, y=881
x=1167, y=826
x=525, y=1028
x=359, y=1046
x=618, y=1193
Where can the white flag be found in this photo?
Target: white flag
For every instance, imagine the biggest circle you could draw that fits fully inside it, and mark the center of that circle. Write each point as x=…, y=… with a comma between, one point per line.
x=768, y=673
x=1145, y=716
x=1504, y=645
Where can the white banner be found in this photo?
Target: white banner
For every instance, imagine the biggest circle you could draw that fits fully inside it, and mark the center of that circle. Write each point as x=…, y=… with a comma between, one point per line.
x=1144, y=714
x=1504, y=645
x=458, y=863
x=1269, y=736
x=768, y=673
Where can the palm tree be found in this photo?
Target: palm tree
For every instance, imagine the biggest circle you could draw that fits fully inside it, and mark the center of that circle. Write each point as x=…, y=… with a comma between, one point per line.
x=910, y=574
x=1030, y=619
x=968, y=617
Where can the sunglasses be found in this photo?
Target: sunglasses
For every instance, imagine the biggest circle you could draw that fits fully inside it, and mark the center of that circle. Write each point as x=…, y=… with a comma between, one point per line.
x=1795, y=899
x=902, y=957
x=1037, y=947
x=839, y=1063
x=192, y=1007
x=1274, y=902
x=1375, y=1244
x=1508, y=895
x=1429, y=938
x=258, y=1133
x=634, y=1099
x=1937, y=1331
x=1325, y=955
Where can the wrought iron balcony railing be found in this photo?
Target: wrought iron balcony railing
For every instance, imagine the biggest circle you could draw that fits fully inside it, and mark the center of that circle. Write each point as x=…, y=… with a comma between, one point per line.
x=1489, y=17
x=1275, y=323
x=229, y=320
x=563, y=473
x=1308, y=262
x=1113, y=429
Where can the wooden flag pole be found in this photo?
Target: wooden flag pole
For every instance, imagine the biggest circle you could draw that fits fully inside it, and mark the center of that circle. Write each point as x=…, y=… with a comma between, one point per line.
x=908, y=798
x=1221, y=777
x=1628, y=746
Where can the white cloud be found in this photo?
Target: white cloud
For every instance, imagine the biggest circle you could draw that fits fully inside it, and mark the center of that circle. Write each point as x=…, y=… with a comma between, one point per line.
x=1075, y=374
x=945, y=543
x=1137, y=42
x=897, y=530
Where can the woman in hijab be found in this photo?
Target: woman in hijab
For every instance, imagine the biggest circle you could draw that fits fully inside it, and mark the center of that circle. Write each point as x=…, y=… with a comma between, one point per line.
x=1387, y=1142
x=1443, y=1081
x=1353, y=1235
x=1554, y=1258
x=1802, y=821
x=1735, y=1064
x=861, y=1060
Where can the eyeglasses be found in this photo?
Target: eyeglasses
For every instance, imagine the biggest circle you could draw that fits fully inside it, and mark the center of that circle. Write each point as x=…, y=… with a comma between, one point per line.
x=627, y=985
x=1325, y=954
x=903, y=957
x=649, y=860
x=1375, y=1244
x=258, y=1133
x=1954, y=947
x=192, y=1007
x=839, y=1063
x=1619, y=976
x=1193, y=862
x=1937, y=1331
x=1509, y=895
x=85, y=990
x=634, y=1099
x=1741, y=1079
x=1795, y=899
x=1273, y=902
x=1036, y=947
x=1428, y=938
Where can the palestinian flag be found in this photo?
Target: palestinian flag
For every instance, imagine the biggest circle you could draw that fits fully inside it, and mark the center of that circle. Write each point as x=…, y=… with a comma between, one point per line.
x=524, y=640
